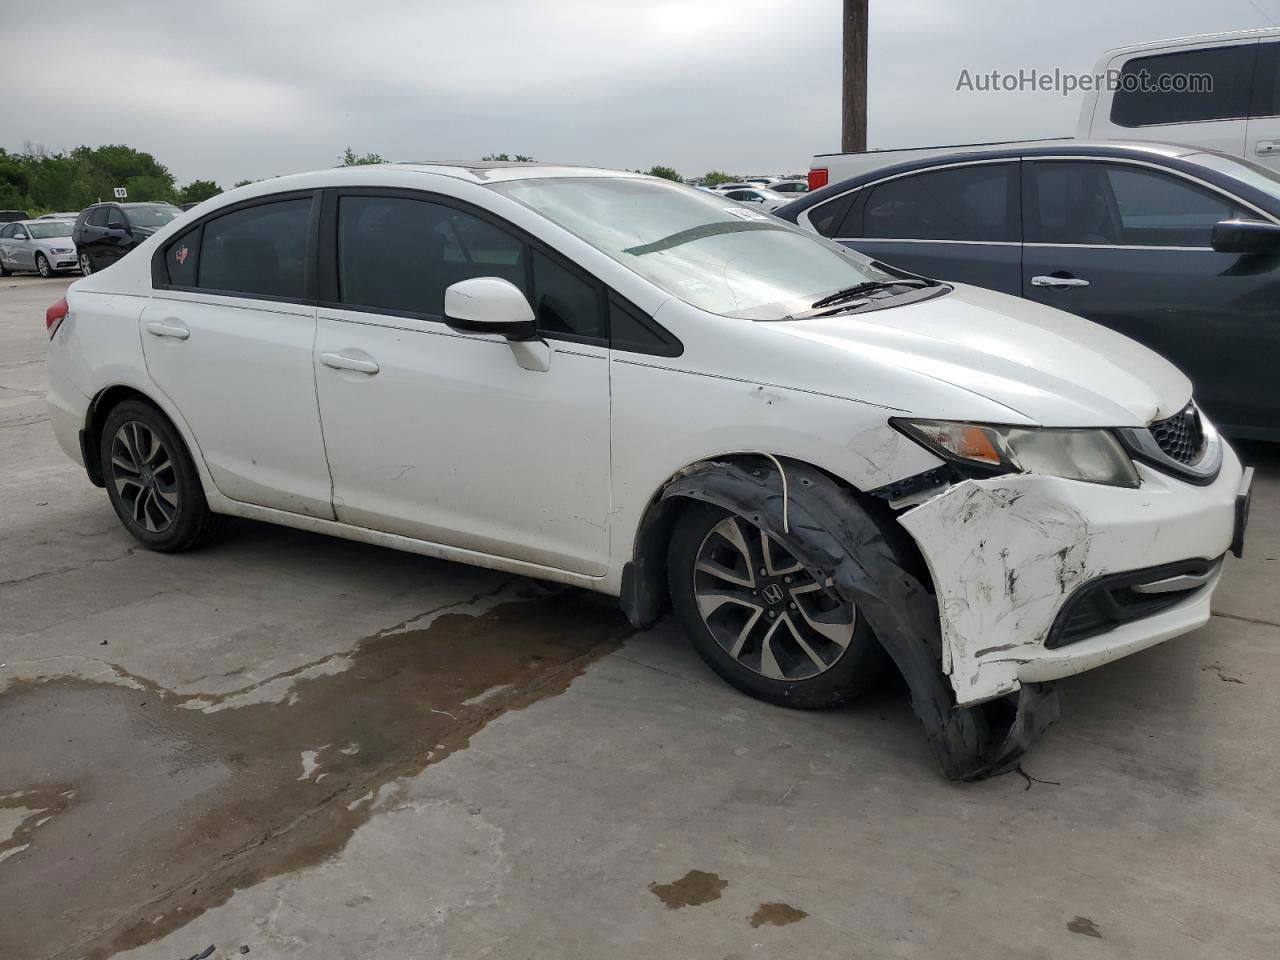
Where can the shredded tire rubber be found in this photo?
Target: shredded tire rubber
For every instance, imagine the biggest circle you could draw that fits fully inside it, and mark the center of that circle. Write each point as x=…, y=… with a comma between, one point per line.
x=843, y=546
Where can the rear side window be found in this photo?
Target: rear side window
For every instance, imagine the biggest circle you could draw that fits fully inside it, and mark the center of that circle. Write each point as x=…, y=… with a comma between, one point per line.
x=6, y=233
x=959, y=203
x=257, y=251
x=398, y=255
x=98, y=218
x=1214, y=83
x=1120, y=205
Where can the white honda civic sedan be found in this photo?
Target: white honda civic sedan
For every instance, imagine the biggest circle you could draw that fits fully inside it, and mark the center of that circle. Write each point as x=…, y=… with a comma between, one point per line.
x=635, y=387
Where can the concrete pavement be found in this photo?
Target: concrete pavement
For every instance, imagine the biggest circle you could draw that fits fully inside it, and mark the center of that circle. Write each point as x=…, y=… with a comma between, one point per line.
x=313, y=748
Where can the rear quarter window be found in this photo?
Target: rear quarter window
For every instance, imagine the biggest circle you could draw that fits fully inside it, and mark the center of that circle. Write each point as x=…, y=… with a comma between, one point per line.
x=1214, y=83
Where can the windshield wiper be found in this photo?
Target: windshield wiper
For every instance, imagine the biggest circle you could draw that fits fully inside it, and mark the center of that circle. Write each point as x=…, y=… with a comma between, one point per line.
x=867, y=286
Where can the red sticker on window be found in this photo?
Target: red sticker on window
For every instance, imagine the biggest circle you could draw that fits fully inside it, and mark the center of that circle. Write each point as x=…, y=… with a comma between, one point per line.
x=181, y=255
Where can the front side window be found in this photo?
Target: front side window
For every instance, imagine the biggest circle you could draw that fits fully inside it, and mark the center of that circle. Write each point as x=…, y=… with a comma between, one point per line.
x=47, y=231
x=700, y=247
x=399, y=255
x=1213, y=83
x=257, y=251
x=19, y=232
x=1122, y=205
x=959, y=203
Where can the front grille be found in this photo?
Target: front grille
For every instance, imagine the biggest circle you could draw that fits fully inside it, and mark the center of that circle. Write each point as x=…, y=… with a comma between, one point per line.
x=1107, y=602
x=1181, y=436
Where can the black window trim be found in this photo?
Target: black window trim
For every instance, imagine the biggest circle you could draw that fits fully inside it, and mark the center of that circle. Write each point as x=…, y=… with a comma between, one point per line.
x=1196, y=48
x=1012, y=214
x=1030, y=211
x=327, y=292
x=160, y=271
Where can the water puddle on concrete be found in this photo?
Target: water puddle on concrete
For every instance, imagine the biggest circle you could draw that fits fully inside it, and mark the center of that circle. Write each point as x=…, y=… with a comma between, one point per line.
x=134, y=813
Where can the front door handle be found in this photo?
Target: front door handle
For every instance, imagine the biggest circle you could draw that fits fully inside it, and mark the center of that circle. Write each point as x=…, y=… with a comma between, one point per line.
x=1058, y=282
x=340, y=361
x=167, y=328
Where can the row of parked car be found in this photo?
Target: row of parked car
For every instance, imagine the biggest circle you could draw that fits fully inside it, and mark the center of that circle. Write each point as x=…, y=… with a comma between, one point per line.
x=764, y=193
x=89, y=240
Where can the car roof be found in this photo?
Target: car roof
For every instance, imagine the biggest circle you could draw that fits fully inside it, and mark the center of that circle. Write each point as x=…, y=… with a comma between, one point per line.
x=1253, y=33
x=497, y=171
x=42, y=220
x=1173, y=156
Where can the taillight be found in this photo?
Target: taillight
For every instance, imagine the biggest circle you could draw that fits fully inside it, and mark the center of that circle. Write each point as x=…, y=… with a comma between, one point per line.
x=54, y=316
x=817, y=178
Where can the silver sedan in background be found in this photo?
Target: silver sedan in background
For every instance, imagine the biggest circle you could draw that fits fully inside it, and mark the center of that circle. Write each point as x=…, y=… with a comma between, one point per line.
x=38, y=246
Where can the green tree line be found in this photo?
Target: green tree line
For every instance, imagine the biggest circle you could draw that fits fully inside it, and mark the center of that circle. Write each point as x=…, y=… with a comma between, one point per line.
x=39, y=181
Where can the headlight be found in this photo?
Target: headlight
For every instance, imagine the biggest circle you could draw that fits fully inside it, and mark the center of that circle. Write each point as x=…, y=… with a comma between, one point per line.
x=63, y=250
x=1074, y=454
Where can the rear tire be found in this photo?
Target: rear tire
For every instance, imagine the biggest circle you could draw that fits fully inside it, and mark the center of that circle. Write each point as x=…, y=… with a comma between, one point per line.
x=42, y=266
x=86, y=264
x=151, y=480
x=805, y=649
x=4, y=271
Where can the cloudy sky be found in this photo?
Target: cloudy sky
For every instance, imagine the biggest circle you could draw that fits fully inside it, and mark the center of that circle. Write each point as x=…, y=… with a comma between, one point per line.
x=245, y=89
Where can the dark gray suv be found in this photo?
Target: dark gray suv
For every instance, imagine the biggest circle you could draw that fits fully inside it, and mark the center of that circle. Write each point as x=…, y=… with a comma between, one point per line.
x=105, y=232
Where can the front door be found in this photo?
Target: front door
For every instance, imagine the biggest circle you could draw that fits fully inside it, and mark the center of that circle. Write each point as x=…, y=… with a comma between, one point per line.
x=1127, y=246
x=229, y=342
x=444, y=436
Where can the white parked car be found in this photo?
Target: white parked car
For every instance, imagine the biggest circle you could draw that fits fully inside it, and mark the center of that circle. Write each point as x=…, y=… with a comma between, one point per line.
x=624, y=384
x=759, y=197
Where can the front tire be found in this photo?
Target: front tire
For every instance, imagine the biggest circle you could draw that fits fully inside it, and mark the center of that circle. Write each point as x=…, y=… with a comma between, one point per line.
x=151, y=480
x=760, y=621
x=42, y=266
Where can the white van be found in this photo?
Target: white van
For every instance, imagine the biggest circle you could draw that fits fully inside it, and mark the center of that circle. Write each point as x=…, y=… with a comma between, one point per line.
x=1233, y=104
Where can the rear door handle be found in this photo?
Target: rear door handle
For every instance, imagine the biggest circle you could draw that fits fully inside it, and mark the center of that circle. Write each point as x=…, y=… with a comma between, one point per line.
x=167, y=328
x=340, y=361
x=1266, y=147
x=1058, y=282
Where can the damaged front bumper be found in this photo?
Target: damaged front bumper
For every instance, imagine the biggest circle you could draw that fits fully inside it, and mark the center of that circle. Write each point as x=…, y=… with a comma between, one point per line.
x=1008, y=554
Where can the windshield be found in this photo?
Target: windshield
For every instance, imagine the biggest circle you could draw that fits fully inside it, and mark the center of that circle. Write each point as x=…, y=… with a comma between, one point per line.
x=48, y=229
x=150, y=216
x=701, y=247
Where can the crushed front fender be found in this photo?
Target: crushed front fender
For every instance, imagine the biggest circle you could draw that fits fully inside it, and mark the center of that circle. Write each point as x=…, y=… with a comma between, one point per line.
x=850, y=550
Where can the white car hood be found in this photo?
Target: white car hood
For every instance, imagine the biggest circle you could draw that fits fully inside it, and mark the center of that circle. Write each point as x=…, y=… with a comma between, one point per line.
x=1052, y=367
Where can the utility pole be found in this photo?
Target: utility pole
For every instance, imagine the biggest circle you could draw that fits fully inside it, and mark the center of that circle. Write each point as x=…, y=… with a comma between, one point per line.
x=853, y=129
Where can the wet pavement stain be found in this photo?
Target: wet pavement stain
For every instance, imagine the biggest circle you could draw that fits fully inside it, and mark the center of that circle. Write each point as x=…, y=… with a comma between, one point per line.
x=692, y=890
x=181, y=807
x=776, y=915
x=1085, y=926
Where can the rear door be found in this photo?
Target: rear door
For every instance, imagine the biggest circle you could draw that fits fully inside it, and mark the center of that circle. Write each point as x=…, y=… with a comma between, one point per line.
x=228, y=337
x=441, y=435
x=955, y=222
x=1127, y=245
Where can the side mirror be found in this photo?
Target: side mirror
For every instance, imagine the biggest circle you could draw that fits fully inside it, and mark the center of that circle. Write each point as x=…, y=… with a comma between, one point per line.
x=489, y=305
x=1245, y=236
